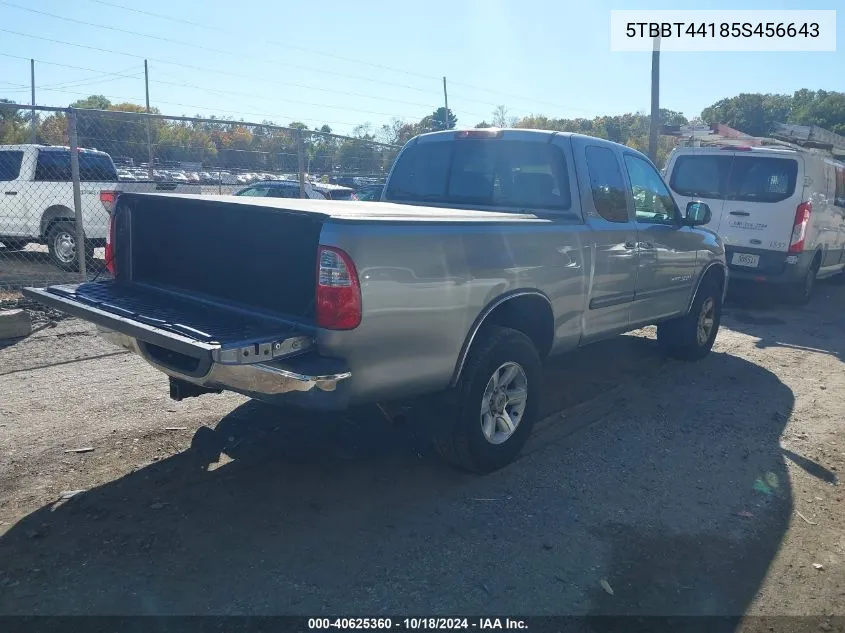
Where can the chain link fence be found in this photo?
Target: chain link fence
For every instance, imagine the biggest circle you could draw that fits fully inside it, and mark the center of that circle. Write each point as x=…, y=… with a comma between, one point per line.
x=61, y=169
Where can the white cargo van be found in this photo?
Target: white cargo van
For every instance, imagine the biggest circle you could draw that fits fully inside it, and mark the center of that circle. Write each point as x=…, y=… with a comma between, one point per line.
x=780, y=211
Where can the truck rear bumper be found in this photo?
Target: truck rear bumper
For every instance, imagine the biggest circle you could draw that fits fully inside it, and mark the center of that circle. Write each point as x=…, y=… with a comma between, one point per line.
x=308, y=382
x=773, y=267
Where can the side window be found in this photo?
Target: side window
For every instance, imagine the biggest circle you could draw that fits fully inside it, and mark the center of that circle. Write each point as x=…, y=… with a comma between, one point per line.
x=606, y=184
x=652, y=201
x=10, y=164
x=53, y=165
x=839, y=189
x=283, y=192
x=254, y=192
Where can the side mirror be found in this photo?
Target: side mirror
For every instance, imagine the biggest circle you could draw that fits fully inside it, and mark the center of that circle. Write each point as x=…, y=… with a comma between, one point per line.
x=698, y=214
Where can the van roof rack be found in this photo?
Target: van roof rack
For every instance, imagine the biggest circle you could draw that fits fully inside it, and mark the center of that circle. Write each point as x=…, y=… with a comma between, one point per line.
x=802, y=138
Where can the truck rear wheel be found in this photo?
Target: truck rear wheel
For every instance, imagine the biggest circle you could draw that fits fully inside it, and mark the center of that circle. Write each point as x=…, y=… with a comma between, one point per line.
x=691, y=336
x=496, y=402
x=61, y=244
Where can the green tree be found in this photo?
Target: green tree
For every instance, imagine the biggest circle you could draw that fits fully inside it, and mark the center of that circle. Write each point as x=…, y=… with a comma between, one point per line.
x=12, y=124
x=443, y=120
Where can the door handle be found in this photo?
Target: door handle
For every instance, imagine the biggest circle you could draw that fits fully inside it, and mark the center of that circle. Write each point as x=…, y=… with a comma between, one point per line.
x=11, y=193
x=742, y=213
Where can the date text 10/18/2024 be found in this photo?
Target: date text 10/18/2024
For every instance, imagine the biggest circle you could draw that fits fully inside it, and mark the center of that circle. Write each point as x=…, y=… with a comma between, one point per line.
x=418, y=624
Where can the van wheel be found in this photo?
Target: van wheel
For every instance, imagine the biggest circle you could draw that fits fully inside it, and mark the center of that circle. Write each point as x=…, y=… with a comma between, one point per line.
x=691, y=336
x=61, y=244
x=496, y=403
x=801, y=293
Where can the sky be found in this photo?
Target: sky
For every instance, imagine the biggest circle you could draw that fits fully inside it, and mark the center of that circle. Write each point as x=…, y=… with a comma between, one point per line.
x=346, y=63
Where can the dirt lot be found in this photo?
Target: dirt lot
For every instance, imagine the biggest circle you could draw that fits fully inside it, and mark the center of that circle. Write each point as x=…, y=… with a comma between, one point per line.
x=707, y=488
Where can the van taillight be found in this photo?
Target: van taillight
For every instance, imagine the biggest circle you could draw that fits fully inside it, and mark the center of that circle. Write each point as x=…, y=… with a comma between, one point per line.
x=108, y=199
x=338, y=296
x=799, y=228
x=109, y=255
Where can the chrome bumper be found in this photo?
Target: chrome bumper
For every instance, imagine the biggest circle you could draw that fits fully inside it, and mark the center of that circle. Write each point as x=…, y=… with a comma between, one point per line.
x=269, y=379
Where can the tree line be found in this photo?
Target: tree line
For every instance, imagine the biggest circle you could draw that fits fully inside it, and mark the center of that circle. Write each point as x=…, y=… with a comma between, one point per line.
x=233, y=144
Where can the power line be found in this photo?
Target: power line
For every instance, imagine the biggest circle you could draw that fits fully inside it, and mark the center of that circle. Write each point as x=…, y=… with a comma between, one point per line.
x=92, y=81
x=227, y=93
x=274, y=42
x=228, y=31
x=25, y=88
x=209, y=49
x=166, y=62
x=309, y=68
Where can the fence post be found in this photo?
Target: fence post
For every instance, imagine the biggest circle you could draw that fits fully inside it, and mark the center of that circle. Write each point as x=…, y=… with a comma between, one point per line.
x=77, y=194
x=300, y=152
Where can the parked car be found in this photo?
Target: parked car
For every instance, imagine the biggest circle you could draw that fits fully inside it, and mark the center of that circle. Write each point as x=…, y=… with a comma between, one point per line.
x=124, y=174
x=493, y=250
x=37, y=202
x=334, y=192
x=780, y=211
x=368, y=192
x=271, y=189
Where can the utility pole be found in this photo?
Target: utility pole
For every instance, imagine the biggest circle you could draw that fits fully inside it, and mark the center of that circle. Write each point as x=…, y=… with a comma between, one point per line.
x=149, y=131
x=446, y=102
x=654, y=128
x=33, y=130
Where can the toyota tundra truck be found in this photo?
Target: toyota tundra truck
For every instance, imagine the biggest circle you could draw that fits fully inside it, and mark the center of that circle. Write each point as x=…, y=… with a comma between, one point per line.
x=490, y=251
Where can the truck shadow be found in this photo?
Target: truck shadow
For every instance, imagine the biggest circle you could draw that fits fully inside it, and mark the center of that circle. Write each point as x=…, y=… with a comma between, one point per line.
x=816, y=327
x=273, y=513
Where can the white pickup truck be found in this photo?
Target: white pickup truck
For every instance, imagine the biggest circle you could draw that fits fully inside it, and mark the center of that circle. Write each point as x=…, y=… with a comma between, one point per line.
x=36, y=199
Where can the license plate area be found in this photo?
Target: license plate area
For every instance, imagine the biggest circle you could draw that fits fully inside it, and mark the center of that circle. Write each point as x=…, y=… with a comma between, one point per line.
x=746, y=260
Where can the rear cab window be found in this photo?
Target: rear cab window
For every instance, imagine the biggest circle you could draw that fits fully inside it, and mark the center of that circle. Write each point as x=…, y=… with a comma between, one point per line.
x=54, y=165
x=508, y=174
x=10, y=164
x=744, y=178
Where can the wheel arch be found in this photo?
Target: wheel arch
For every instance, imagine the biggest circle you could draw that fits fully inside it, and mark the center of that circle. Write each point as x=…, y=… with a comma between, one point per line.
x=54, y=214
x=714, y=270
x=528, y=310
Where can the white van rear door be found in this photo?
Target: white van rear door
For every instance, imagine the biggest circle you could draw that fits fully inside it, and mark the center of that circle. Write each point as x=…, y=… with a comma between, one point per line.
x=701, y=175
x=762, y=196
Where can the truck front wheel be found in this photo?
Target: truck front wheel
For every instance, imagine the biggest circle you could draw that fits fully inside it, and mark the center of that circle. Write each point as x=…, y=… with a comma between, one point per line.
x=691, y=336
x=496, y=402
x=61, y=243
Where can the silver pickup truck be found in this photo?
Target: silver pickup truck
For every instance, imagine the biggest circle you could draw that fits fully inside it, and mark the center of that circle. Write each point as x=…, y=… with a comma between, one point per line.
x=490, y=251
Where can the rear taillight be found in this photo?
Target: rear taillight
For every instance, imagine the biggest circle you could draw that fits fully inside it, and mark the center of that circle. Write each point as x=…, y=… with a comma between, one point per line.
x=338, y=290
x=109, y=254
x=108, y=198
x=799, y=228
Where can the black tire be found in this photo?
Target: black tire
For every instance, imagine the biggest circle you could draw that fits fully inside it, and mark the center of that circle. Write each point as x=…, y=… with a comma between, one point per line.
x=801, y=293
x=462, y=440
x=14, y=245
x=61, y=244
x=680, y=338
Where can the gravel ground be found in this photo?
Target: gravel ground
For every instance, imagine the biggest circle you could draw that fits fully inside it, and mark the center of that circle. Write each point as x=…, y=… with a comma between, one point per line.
x=683, y=489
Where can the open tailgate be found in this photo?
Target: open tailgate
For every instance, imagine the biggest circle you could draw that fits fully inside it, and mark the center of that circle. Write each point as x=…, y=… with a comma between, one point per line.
x=200, y=331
